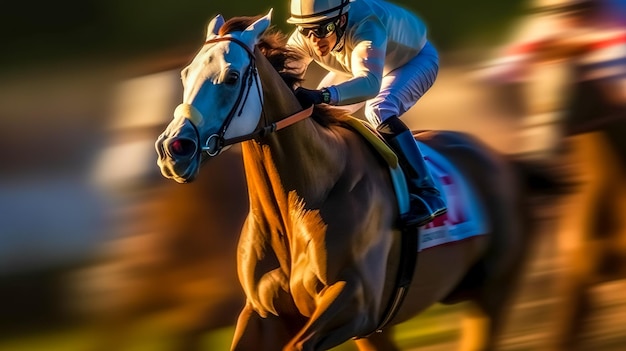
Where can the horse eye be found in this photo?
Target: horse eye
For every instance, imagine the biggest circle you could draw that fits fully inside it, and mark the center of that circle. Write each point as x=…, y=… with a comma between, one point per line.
x=231, y=78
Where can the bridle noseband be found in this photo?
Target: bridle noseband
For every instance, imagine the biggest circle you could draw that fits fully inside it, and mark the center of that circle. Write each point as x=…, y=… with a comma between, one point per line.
x=216, y=142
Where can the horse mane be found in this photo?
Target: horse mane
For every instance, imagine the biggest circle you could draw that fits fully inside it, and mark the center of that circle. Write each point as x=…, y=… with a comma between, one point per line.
x=273, y=45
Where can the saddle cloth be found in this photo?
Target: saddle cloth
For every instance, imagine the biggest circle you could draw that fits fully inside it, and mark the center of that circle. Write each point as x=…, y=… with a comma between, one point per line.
x=465, y=217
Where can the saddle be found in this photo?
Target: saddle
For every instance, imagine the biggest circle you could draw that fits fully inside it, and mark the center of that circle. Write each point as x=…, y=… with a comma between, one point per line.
x=465, y=216
x=370, y=134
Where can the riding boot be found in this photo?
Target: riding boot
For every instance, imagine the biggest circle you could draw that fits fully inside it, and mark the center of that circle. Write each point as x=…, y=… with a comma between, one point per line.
x=426, y=200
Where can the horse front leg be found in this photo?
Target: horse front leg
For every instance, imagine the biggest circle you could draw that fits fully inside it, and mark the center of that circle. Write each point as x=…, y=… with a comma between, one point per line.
x=378, y=342
x=254, y=332
x=339, y=316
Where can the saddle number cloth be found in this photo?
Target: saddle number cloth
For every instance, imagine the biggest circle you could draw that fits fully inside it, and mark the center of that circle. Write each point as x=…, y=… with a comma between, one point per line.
x=465, y=217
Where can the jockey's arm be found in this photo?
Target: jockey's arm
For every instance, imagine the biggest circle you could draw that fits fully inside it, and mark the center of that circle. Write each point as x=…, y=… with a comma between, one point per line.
x=367, y=61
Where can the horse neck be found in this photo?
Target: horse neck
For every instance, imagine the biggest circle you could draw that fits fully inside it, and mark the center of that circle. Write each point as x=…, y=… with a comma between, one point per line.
x=279, y=100
x=304, y=157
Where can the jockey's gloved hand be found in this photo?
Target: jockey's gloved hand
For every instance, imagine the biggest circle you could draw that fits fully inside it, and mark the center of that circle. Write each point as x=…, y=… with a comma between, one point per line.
x=308, y=97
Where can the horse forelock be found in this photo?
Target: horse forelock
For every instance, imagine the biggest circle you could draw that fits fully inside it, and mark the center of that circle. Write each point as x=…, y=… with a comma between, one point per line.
x=273, y=45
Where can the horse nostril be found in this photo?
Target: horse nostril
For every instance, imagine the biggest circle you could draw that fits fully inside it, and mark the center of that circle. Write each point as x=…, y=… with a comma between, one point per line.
x=182, y=147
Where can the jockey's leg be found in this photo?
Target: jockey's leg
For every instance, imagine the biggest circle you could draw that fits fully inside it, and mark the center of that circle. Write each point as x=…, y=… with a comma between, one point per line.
x=400, y=90
x=426, y=200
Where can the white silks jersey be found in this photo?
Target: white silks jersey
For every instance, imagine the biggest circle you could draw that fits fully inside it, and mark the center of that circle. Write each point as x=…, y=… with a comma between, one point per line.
x=379, y=38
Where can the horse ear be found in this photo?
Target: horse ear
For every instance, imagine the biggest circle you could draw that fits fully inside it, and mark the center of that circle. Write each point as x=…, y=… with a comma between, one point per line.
x=214, y=26
x=252, y=34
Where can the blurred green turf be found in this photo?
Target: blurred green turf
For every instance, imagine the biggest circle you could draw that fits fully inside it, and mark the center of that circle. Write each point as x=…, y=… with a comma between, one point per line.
x=437, y=324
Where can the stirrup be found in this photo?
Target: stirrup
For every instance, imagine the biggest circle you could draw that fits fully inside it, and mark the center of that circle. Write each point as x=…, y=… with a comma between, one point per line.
x=424, y=217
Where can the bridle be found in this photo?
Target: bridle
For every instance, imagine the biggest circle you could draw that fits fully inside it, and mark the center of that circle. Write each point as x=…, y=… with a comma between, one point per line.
x=216, y=142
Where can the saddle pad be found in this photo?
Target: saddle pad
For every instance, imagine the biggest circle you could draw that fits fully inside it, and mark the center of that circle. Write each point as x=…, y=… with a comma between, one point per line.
x=465, y=216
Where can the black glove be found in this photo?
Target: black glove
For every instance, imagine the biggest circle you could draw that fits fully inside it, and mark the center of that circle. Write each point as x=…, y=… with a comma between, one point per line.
x=308, y=97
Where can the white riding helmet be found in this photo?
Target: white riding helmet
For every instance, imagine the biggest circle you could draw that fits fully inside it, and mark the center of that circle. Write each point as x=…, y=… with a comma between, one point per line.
x=313, y=11
x=558, y=5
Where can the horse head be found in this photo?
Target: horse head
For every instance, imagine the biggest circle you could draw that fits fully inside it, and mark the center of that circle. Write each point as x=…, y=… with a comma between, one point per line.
x=222, y=100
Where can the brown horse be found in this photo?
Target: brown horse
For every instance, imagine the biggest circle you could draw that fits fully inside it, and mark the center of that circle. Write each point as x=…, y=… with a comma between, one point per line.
x=170, y=267
x=587, y=148
x=592, y=226
x=319, y=252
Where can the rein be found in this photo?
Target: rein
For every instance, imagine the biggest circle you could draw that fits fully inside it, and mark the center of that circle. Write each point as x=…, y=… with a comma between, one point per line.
x=217, y=141
x=263, y=131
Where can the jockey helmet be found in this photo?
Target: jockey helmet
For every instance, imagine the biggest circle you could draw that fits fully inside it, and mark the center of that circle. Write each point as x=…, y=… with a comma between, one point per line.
x=558, y=6
x=314, y=11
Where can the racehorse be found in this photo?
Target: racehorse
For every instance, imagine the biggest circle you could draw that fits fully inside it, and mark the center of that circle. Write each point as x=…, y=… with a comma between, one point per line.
x=592, y=227
x=170, y=266
x=589, y=151
x=320, y=250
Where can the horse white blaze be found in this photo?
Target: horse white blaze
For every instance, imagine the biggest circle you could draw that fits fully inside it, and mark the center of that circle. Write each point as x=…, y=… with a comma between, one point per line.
x=219, y=76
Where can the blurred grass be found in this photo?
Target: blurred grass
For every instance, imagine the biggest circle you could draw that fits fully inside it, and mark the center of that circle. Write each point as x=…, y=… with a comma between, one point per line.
x=437, y=324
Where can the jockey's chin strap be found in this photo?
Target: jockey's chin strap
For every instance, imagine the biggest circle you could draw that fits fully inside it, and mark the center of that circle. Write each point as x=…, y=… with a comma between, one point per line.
x=216, y=142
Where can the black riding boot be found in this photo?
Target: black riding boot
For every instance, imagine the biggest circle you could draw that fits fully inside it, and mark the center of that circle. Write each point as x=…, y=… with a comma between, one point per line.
x=426, y=201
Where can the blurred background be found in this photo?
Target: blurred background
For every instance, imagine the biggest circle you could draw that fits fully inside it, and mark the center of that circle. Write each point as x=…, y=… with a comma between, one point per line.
x=99, y=252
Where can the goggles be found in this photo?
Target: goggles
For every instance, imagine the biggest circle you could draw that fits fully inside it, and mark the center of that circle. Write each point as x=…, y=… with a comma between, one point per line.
x=323, y=30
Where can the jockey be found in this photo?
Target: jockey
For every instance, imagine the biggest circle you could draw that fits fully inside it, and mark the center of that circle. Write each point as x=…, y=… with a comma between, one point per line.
x=563, y=45
x=580, y=31
x=587, y=34
x=376, y=53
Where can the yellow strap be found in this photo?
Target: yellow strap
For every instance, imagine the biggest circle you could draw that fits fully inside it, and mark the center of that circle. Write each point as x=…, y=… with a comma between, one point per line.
x=367, y=131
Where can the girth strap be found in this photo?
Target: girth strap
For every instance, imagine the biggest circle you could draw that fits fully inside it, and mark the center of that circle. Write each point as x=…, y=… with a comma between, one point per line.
x=406, y=268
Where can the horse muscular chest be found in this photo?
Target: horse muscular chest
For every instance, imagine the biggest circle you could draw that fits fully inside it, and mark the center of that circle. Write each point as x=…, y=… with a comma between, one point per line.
x=292, y=258
x=299, y=243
